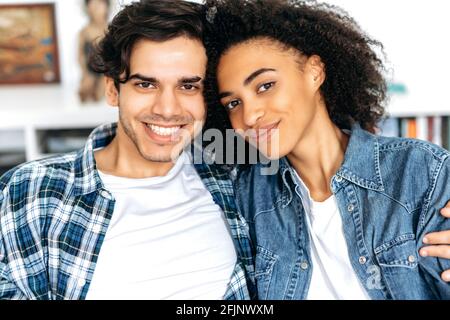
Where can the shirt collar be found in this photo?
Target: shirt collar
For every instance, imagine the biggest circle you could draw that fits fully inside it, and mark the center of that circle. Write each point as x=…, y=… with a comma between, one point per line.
x=87, y=179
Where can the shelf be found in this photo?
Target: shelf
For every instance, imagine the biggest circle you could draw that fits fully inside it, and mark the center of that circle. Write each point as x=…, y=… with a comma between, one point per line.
x=50, y=107
x=38, y=111
x=405, y=106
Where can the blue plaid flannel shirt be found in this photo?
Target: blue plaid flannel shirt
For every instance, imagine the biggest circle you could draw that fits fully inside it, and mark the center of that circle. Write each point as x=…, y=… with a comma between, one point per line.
x=54, y=214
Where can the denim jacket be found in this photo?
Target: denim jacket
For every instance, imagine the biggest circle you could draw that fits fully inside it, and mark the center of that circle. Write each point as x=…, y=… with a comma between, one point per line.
x=389, y=193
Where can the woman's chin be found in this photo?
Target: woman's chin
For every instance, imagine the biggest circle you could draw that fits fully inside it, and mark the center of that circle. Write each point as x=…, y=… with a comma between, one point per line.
x=272, y=153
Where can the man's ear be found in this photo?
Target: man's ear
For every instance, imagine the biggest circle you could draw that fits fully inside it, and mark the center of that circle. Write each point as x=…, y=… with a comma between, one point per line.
x=316, y=69
x=111, y=92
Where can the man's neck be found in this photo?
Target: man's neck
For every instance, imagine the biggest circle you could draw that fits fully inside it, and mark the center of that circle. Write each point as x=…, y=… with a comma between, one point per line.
x=119, y=161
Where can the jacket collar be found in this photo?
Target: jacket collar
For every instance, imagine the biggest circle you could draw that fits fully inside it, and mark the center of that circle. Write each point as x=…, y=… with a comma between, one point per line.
x=362, y=160
x=361, y=164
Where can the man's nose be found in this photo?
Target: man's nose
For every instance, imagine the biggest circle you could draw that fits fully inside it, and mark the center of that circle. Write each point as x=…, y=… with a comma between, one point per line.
x=167, y=104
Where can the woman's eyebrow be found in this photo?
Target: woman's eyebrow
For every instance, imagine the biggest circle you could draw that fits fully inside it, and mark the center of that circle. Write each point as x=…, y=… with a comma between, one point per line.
x=248, y=80
x=258, y=72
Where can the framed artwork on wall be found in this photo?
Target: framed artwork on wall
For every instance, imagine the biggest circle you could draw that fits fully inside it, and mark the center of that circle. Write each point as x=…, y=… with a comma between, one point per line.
x=28, y=44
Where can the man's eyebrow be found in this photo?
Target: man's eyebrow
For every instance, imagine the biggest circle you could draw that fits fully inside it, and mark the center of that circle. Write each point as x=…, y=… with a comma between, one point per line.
x=194, y=79
x=143, y=78
x=258, y=72
x=183, y=80
x=248, y=80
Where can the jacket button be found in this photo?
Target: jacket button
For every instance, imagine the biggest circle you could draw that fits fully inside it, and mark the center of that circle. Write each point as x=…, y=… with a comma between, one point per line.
x=350, y=208
x=304, y=265
x=338, y=179
x=362, y=260
x=411, y=259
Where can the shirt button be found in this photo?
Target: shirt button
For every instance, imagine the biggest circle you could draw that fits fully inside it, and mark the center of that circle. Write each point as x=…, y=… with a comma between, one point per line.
x=338, y=179
x=105, y=194
x=81, y=282
x=304, y=265
x=97, y=228
x=350, y=208
x=362, y=260
x=411, y=259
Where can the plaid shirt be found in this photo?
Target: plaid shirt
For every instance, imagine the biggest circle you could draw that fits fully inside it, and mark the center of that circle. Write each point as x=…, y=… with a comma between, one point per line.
x=54, y=214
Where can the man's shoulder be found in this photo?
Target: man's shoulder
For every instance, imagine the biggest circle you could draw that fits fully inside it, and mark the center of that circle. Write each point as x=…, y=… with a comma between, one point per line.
x=60, y=167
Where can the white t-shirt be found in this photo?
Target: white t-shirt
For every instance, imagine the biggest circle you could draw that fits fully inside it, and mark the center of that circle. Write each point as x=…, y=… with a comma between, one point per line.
x=167, y=240
x=333, y=277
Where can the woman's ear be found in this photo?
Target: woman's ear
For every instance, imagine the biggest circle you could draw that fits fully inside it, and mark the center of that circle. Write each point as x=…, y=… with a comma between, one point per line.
x=316, y=69
x=111, y=92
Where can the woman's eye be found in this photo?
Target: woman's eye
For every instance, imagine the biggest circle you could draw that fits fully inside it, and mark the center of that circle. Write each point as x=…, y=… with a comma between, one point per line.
x=232, y=104
x=266, y=86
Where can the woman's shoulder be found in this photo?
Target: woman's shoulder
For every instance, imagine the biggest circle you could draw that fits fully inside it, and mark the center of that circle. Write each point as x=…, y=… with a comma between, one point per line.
x=414, y=149
x=409, y=167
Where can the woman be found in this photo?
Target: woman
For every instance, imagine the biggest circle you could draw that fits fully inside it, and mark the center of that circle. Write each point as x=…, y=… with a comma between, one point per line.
x=346, y=213
x=91, y=85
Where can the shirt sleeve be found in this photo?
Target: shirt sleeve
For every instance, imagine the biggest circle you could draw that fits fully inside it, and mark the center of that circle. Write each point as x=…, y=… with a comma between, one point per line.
x=8, y=289
x=432, y=221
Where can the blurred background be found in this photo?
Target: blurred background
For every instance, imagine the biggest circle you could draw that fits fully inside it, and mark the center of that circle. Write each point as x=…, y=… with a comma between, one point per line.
x=50, y=101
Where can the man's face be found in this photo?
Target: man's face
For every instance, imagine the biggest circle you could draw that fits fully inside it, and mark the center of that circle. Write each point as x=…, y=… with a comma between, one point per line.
x=161, y=106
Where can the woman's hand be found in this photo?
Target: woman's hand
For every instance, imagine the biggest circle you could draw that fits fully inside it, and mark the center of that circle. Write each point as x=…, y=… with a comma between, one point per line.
x=438, y=244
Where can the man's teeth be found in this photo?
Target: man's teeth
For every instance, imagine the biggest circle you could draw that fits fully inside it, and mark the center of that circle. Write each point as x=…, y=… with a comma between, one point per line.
x=164, y=131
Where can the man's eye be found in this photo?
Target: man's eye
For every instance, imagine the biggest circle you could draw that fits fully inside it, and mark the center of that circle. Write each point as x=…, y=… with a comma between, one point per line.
x=232, y=104
x=189, y=87
x=266, y=86
x=145, y=85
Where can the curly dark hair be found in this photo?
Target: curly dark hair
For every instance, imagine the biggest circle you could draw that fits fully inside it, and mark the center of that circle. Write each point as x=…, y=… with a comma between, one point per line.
x=148, y=19
x=355, y=87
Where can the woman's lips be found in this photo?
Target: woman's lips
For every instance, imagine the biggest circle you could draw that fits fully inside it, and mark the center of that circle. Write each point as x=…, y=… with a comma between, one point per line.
x=263, y=133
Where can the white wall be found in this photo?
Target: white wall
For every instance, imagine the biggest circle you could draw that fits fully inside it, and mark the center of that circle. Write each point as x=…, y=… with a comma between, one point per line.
x=415, y=34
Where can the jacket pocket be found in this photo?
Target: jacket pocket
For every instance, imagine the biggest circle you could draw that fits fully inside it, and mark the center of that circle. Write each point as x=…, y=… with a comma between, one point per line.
x=398, y=260
x=398, y=253
x=264, y=263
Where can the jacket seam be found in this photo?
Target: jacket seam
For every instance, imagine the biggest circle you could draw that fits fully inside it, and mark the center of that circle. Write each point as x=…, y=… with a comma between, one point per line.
x=431, y=192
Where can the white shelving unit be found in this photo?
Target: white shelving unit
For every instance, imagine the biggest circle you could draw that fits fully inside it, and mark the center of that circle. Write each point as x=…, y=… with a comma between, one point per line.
x=407, y=106
x=26, y=111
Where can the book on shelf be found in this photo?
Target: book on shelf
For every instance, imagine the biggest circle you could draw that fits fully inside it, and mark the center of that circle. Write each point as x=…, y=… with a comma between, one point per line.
x=435, y=129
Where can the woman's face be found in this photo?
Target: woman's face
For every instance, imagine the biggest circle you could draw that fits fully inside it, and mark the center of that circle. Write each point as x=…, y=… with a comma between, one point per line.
x=270, y=92
x=98, y=10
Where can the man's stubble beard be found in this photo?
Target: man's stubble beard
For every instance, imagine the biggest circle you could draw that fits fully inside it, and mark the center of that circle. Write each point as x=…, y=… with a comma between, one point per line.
x=186, y=139
x=127, y=128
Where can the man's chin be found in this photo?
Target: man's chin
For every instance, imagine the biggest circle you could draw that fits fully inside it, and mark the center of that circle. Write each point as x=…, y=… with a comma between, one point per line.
x=163, y=156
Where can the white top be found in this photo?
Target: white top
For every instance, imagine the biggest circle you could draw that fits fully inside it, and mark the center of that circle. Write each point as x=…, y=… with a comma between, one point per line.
x=167, y=240
x=333, y=277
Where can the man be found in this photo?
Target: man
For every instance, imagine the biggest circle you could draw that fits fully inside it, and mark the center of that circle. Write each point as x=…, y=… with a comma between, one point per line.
x=119, y=219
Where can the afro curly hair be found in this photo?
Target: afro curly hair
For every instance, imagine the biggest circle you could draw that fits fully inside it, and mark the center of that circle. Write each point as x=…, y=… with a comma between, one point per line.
x=355, y=87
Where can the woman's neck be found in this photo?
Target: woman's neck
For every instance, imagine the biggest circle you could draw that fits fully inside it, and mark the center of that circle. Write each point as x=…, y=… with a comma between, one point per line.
x=319, y=154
